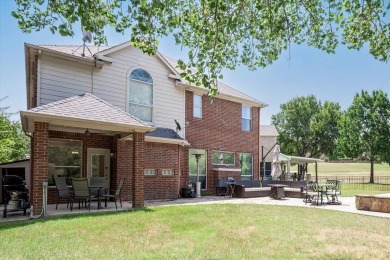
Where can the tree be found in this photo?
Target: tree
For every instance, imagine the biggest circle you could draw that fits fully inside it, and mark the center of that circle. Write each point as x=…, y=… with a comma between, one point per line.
x=220, y=33
x=365, y=128
x=14, y=144
x=306, y=127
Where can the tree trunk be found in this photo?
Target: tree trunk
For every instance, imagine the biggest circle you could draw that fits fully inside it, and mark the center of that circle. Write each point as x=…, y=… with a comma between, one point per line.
x=372, y=170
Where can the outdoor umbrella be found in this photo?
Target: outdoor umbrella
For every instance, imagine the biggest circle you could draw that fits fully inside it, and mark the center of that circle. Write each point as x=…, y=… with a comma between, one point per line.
x=276, y=165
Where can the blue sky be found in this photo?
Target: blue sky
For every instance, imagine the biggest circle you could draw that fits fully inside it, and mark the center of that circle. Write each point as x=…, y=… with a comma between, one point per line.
x=305, y=71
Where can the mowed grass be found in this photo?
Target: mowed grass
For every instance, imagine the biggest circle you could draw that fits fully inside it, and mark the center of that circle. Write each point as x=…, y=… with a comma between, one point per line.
x=218, y=231
x=348, y=169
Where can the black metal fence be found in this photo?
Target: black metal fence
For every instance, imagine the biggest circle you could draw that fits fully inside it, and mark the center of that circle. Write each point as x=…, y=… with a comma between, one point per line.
x=381, y=183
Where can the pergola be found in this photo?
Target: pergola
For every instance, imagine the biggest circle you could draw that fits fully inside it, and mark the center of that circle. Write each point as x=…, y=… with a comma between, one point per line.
x=298, y=160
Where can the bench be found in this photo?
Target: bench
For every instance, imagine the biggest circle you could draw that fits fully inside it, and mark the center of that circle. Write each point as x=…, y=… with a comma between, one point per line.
x=252, y=188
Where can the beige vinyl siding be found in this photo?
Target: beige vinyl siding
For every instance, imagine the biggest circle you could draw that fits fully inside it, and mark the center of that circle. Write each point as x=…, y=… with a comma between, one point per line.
x=60, y=78
x=167, y=99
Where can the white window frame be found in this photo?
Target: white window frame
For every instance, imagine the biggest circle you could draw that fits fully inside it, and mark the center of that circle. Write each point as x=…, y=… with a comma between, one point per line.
x=128, y=92
x=252, y=164
x=219, y=152
x=195, y=107
x=50, y=142
x=244, y=118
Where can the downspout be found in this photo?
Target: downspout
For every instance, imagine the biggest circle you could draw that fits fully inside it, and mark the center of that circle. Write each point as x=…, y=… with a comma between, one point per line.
x=44, y=203
x=179, y=171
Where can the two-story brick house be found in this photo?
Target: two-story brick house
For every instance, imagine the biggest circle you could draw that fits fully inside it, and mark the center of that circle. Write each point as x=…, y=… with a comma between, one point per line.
x=111, y=112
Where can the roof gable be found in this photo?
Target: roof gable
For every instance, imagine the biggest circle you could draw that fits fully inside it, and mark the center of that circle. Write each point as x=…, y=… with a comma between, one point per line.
x=84, y=111
x=89, y=107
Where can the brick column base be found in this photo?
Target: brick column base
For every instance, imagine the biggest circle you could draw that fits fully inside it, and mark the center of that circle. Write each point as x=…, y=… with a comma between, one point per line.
x=39, y=163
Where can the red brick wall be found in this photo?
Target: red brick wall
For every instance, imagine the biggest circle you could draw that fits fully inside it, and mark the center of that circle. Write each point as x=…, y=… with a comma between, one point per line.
x=162, y=156
x=124, y=166
x=40, y=161
x=219, y=129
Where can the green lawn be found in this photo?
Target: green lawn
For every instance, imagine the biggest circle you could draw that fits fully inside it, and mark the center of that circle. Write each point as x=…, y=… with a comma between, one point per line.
x=201, y=232
x=349, y=169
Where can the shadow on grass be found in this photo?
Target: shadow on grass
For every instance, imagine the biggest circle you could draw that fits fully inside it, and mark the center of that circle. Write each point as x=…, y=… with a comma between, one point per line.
x=32, y=221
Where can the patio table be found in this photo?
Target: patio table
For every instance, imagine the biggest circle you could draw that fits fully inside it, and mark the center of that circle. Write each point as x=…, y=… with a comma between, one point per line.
x=99, y=188
x=277, y=191
x=322, y=189
x=230, y=185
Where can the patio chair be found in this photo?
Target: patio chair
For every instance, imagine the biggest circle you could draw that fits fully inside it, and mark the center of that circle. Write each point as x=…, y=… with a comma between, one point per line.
x=333, y=191
x=81, y=192
x=117, y=194
x=63, y=191
x=311, y=192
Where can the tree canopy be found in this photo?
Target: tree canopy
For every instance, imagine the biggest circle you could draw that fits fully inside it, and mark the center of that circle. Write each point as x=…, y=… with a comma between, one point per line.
x=306, y=127
x=14, y=144
x=365, y=128
x=220, y=33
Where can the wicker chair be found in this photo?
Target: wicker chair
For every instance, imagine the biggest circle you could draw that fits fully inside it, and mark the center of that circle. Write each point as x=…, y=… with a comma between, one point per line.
x=63, y=191
x=117, y=194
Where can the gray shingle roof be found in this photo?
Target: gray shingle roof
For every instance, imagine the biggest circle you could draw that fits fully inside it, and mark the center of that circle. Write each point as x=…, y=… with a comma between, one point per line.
x=222, y=88
x=77, y=51
x=89, y=107
x=268, y=130
x=164, y=133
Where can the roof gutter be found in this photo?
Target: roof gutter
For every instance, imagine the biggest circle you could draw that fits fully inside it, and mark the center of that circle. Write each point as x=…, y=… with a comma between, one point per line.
x=203, y=90
x=66, y=56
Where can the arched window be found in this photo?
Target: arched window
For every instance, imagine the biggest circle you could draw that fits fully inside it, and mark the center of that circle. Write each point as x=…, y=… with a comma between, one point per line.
x=141, y=95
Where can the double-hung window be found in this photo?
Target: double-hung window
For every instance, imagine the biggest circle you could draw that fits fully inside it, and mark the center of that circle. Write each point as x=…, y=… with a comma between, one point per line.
x=141, y=95
x=197, y=106
x=65, y=157
x=246, y=118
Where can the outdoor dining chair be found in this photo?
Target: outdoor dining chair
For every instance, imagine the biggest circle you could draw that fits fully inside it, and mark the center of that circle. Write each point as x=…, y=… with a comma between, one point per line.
x=63, y=191
x=81, y=192
x=311, y=192
x=117, y=194
x=333, y=191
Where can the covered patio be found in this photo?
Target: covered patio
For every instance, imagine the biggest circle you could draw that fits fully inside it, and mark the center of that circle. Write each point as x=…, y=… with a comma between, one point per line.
x=98, y=140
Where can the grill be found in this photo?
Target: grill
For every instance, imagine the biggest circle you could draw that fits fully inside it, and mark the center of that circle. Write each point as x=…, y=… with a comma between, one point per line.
x=15, y=194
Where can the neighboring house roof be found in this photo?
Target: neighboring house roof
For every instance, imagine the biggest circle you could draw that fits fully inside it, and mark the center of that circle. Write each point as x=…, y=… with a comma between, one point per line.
x=224, y=90
x=87, y=108
x=268, y=130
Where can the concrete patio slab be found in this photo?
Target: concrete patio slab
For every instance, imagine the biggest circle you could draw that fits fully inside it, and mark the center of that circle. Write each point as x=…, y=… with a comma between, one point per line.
x=348, y=205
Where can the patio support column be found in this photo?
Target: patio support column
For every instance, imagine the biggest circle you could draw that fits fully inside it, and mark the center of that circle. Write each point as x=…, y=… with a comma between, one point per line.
x=124, y=166
x=39, y=164
x=138, y=189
